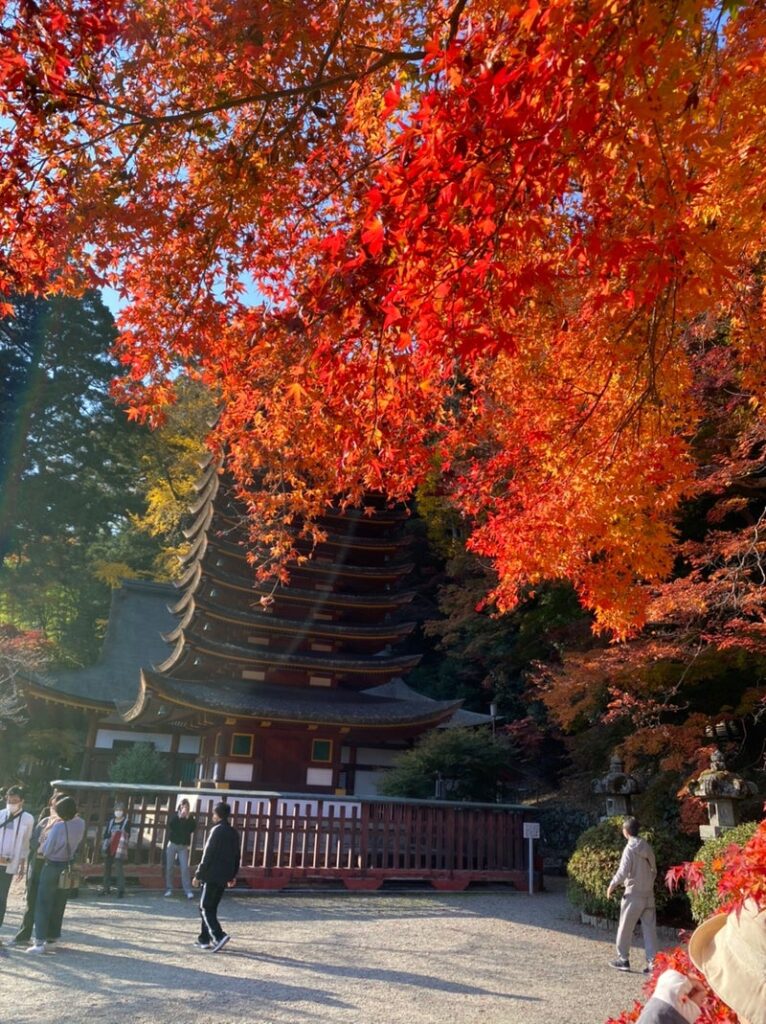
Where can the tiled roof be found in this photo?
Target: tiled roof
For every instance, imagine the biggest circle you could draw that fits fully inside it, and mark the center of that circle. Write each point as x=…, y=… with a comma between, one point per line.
x=401, y=691
x=138, y=616
x=254, y=619
x=342, y=664
x=161, y=696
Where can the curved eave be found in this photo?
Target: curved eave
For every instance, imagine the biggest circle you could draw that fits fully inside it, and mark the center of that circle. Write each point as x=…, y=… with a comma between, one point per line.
x=359, y=572
x=207, y=494
x=197, y=610
x=201, y=524
x=349, y=544
x=316, y=598
x=191, y=577
x=186, y=619
x=39, y=691
x=377, y=515
x=312, y=566
x=342, y=665
x=209, y=467
x=141, y=703
x=205, y=547
x=161, y=700
x=354, y=542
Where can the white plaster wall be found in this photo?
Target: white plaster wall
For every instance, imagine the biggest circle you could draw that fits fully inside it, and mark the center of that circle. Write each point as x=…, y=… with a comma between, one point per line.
x=105, y=739
x=162, y=741
x=237, y=772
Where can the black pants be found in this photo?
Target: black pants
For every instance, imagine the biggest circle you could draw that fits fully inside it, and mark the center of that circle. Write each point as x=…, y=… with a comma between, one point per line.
x=24, y=934
x=208, y=911
x=115, y=863
x=5, y=884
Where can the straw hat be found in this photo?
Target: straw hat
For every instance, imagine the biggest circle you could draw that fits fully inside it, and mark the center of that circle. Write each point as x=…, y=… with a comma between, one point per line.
x=730, y=951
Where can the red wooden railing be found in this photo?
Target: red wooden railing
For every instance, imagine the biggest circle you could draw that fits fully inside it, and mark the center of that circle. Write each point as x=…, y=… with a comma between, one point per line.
x=290, y=839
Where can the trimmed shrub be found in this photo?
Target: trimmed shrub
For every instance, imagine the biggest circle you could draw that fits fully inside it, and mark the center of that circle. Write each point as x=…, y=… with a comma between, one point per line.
x=597, y=857
x=140, y=765
x=472, y=764
x=711, y=856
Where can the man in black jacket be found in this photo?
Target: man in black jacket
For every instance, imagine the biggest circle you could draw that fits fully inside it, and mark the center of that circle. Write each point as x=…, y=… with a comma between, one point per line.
x=217, y=870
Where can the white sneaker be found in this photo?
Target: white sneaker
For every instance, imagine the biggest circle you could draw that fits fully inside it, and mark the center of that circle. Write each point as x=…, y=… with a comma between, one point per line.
x=168, y=892
x=190, y=896
x=38, y=947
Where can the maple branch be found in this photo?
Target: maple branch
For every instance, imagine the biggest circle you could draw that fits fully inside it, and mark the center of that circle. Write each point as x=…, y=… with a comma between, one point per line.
x=154, y=120
x=291, y=122
x=454, y=19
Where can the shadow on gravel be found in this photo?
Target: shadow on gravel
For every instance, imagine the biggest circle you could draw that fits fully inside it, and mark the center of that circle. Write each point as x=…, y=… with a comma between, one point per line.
x=104, y=974
x=375, y=974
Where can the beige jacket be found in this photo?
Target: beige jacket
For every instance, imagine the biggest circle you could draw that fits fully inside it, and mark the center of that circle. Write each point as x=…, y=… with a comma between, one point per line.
x=638, y=868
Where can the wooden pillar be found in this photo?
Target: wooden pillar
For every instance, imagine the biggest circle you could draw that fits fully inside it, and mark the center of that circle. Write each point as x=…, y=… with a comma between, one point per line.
x=174, y=738
x=90, y=743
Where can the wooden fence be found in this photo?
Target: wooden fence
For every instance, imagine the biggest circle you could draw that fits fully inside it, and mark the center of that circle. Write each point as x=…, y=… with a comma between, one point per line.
x=299, y=839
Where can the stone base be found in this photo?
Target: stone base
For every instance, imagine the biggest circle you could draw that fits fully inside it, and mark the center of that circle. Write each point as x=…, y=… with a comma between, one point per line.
x=664, y=934
x=714, y=831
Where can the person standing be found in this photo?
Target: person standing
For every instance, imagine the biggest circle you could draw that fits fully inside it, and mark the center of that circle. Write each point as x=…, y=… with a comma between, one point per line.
x=114, y=846
x=58, y=849
x=46, y=820
x=637, y=872
x=216, y=871
x=181, y=828
x=16, y=826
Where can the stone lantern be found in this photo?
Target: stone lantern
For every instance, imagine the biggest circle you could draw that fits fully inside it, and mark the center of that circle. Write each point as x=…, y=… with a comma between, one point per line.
x=722, y=791
x=618, y=787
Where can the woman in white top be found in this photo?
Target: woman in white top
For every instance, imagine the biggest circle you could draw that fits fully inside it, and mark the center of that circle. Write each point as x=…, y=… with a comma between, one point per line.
x=16, y=826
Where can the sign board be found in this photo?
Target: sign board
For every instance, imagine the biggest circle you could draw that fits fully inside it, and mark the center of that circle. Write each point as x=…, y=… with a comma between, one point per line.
x=531, y=829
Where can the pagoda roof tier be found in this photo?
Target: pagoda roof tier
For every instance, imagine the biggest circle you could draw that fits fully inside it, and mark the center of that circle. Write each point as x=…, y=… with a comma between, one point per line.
x=199, y=608
x=330, y=572
x=208, y=545
x=210, y=522
x=201, y=524
x=163, y=699
x=206, y=505
x=190, y=647
x=368, y=573
x=378, y=517
x=210, y=466
x=211, y=484
x=317, y=598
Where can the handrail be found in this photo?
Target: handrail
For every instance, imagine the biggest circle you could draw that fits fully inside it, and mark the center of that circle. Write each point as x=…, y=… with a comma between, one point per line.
x=223, y=794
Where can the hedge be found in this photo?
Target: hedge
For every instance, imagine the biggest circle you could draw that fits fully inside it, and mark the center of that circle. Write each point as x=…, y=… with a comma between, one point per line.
x=597, y=857
x=705, y=901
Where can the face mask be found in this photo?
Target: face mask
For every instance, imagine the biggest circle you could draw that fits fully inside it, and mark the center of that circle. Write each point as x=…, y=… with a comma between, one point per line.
x=119, y=815
x=14, y=806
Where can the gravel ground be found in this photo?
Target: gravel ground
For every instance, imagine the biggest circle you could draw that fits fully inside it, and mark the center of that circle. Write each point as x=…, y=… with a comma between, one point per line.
x=398, y=958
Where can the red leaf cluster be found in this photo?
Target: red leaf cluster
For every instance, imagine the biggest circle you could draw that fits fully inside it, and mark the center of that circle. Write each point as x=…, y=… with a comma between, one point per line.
x=393, y=233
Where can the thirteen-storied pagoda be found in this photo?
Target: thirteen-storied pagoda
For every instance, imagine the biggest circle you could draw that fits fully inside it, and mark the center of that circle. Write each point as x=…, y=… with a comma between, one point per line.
x=294, y=687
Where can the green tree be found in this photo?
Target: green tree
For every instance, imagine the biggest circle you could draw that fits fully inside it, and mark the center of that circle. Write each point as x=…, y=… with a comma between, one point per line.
x=68, y=476
x=140, y=765
x=169, y=467
x=473, y=764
